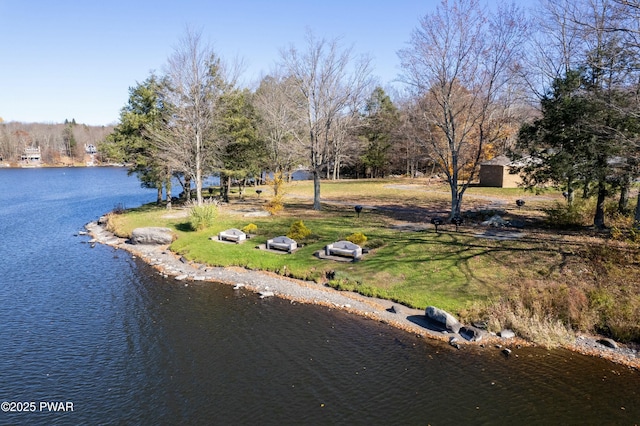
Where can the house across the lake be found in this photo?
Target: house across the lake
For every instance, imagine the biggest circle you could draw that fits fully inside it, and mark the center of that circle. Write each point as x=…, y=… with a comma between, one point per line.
x=31, y=156
x=500, y=172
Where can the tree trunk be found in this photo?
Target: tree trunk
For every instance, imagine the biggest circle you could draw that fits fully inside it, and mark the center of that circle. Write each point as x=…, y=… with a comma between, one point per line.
x=198, y=169
x=458, y=205
x=316, y=190
x=456, y=197
x=168, y=194
x=570, y=192
x=226, y=187
x=585, y=190
x=570, y=196
x=159, y=193
x=598, y=219
x=187, y=188
x=623, y=202
x=636, y=222
x=456, y=200
x=241, y=186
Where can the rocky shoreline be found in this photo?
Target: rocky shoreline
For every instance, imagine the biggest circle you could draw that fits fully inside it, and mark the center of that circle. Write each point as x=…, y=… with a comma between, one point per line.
x=266, y=284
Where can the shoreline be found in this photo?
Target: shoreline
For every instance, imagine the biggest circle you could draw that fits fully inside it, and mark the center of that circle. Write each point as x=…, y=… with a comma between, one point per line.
x=266, y=284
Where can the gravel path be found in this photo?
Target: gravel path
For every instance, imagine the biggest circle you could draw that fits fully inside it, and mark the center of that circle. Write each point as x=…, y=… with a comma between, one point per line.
x=266, y=284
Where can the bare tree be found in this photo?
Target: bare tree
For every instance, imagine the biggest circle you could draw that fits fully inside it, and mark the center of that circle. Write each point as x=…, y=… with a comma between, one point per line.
x=557, y=48
x=195, y=80
x=341, y=143
x=410, y=148
x=459, y=65
x=281, y=125
x=332, y=84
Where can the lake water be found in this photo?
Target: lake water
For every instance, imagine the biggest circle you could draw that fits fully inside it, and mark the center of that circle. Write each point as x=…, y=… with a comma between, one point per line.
x=96, y=329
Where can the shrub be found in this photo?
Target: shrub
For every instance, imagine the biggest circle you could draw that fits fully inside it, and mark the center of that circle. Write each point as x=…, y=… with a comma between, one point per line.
x=357, y=238
x=564, y=215
x=581, y=213
x=202, y=217
x=250, y=228
x=375, y=243
x=277, y=183
x=530, y=323
x=298, y=231
x=630, y=235
x=119, y=209
x=616, y=233
x=274, y=205
x=109, y=222
x=618, y=313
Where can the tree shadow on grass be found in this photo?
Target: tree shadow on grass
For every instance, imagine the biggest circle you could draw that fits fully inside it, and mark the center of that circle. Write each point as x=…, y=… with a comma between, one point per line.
x=463, y=255
x=184, y=227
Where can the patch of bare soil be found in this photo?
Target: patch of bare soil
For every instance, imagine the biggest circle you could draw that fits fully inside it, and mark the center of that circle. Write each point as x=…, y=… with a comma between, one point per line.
x=176, y=214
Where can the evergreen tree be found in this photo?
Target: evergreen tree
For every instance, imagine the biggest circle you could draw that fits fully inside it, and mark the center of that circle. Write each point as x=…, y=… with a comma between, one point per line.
x=581, y=140
x=130, y=141
x=69, y=139
x=380, y=121
x=244, y=152
x=553, y=145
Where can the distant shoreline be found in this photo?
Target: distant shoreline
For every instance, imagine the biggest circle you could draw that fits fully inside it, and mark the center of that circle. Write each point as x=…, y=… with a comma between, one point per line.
x=4, y=165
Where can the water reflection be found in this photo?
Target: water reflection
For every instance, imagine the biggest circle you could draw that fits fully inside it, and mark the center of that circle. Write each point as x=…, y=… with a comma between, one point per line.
x=241, y=358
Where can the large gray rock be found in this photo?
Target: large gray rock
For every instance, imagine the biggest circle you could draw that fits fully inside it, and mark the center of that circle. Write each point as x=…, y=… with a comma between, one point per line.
x=472, y=334
x=610, y=343
x=443, y=319
x=507, y=334
x=152, y=235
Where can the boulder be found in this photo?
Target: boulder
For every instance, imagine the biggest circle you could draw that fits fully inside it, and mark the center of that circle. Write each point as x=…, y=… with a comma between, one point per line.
x=152, y=235
x=610, y=343
x=442, y=318
x=472, y=334
x=395, y=309
x=480, y=324
x=507, y=334
x=495, y=221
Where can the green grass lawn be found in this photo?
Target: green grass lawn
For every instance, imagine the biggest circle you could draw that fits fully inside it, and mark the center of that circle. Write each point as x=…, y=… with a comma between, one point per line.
x=417, y=268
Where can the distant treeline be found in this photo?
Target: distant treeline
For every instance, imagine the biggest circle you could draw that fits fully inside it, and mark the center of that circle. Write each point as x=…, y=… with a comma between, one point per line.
x=59, y=144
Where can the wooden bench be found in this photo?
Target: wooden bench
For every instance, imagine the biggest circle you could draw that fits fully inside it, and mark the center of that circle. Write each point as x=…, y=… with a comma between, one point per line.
x=344, y=248
x=282, y=243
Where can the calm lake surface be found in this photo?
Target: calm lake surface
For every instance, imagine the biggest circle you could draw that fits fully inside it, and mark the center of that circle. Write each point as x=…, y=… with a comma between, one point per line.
x=99, y=329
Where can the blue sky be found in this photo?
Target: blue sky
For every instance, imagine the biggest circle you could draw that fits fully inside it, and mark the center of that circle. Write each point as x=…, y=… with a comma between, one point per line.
x=77, y=59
